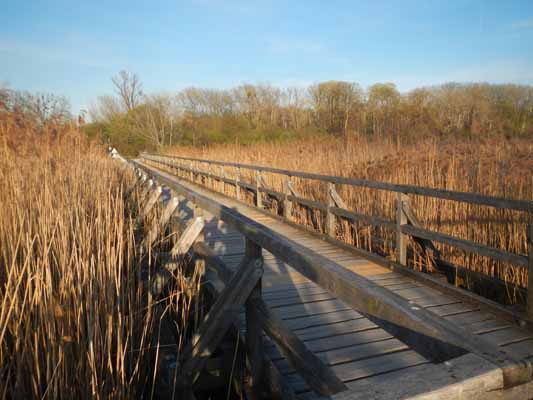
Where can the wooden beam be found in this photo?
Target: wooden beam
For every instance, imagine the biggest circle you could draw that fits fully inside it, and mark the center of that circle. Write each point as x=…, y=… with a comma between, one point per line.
x=152, y=200
x=401, y=238
x=188, y=237
x=473, y=198
x=467, y=245
x=160, y=224
x=254, y=331
x=339, y=202
x=218, y=320
x=330, y=217
x=318, y=376
x=216, y=277
x=426, y=332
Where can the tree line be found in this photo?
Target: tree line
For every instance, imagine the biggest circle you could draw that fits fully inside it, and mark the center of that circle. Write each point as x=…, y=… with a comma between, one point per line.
x=198, y=116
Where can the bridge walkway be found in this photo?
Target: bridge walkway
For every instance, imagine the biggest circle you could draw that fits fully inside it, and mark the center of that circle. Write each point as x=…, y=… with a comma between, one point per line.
x=361, y=353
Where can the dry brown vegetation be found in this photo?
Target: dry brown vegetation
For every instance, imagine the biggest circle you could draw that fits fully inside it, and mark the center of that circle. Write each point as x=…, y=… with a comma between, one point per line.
x=496, y=167
x=75, y=321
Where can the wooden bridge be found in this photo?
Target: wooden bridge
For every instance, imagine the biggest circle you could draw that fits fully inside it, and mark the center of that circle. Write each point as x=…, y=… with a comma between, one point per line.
x=322, y=319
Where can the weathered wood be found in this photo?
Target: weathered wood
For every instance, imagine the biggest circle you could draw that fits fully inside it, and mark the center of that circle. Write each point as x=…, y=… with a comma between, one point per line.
x=237, y=186
x=160, y=224
x=467, y=377
x=530, y=272
x=217, y=278
x=258, y=195
x=467, y=245
x=491, y=201
x=419, y=328
x=254, y=332
x=401, y=239
x=317, y=375
x=287, y=204
x=308, y=203
x=367, y=219
x=218, y=321
x=188, y=237
x=222, y=182
x=259, y=316
x=330, y=217
x=152, y=200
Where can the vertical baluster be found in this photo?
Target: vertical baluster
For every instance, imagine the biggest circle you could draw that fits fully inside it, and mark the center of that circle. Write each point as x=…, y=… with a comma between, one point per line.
x=401, y=219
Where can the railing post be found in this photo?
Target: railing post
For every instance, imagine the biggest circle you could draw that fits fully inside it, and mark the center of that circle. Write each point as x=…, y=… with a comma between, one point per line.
x=287, y=204
x=530, y=271
x=210, y=181
x=401, y=219
x=330, y=217
x=222, y=183
x=237, y=183
x=259, y=197
x=254, y=342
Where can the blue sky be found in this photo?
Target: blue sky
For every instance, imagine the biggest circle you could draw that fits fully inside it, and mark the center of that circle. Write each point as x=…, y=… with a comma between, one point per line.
x=72, y=48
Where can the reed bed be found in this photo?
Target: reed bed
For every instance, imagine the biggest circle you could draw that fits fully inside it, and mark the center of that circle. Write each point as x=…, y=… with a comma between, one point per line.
x=497, y=167
x=75, y=321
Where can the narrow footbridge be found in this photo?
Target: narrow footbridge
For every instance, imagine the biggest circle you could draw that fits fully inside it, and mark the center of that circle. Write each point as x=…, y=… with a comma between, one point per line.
x=319, y=318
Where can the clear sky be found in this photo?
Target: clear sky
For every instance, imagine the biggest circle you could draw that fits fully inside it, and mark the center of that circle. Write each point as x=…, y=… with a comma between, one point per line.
x=72, y=48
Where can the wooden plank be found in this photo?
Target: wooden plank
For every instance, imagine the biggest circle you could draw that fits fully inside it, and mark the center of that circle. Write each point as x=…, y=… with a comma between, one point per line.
x=152, y=200
x=347, y=340
x=467, y=377
x=466, y=245
x=310, y=321
x=160, y=224
x=299, y=299
x=317, y=375
x=365, y=368
x=418, y=327
x=188, y=237
x=340, y=328
x=319, y=307
x=507, y=336
x=524, y=348
x=350, y=354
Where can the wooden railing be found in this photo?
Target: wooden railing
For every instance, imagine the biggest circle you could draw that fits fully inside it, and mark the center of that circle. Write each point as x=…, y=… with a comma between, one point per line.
x=406, y=224
x=435, y=338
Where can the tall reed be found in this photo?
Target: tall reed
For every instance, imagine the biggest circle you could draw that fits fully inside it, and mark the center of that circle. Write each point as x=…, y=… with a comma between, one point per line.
x=495, y=167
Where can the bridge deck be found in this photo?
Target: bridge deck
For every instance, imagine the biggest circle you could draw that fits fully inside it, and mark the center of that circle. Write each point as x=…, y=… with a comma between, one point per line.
x=361, y=353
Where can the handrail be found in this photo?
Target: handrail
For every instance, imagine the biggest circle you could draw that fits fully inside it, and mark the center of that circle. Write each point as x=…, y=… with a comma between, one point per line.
x=404, y=226
x=432, y=336
x=466, y=197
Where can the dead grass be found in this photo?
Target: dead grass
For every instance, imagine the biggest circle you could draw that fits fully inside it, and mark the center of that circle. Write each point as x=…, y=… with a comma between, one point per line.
x=495, y=167
x=75, y=321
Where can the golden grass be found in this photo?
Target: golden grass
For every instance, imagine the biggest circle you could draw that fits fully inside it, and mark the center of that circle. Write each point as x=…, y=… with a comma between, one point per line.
x=74, y=319
x=491, y=166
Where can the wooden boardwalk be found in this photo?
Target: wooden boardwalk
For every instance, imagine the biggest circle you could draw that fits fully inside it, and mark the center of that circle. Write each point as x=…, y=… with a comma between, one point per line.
x=367, y=358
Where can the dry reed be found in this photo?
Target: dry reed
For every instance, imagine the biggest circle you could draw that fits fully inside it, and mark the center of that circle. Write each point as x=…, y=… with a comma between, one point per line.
x=75, y=321
x=495, y=167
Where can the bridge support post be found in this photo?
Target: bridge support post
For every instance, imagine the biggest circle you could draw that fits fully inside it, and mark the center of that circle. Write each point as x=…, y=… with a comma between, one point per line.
x=530, y=271
x=401, y=219
x=254, y=342
x=330, y=217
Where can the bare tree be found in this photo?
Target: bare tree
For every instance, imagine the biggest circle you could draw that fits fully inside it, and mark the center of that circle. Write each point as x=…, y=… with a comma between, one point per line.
x=129, y=88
